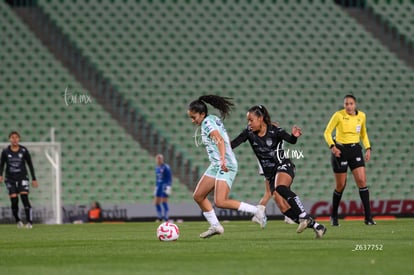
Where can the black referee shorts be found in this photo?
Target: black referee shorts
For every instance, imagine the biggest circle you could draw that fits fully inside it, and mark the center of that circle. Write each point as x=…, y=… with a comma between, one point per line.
x=351, y=155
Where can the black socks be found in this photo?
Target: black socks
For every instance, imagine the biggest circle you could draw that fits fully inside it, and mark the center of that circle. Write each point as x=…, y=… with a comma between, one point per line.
x=15, y=208
x=364, y=194
x=293, y=200
x=336, y=199
x=27, y=207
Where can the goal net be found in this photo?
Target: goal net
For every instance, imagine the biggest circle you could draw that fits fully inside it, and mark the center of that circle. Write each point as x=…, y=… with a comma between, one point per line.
x=46, y=199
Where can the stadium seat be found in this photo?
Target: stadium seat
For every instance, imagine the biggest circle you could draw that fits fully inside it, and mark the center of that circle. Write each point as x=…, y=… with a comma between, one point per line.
x=395, y=14
x=84, y=157
x=299, y=66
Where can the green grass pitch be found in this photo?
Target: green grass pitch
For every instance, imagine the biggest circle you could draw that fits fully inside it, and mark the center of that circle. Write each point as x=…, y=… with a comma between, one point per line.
x=244, y=248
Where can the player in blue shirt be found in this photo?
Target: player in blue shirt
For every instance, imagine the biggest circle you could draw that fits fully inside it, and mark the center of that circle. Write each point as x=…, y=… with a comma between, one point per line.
x=163, y=187
x=220, y=175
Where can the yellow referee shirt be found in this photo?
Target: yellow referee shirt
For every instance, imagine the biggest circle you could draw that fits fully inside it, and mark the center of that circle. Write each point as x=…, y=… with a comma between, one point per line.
x=349, y=129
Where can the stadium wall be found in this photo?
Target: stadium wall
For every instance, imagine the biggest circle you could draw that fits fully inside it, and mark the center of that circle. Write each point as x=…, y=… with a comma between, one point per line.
x=190, y=211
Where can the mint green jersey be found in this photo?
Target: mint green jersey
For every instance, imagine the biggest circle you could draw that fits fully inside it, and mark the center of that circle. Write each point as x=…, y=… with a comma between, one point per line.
x=209, y=124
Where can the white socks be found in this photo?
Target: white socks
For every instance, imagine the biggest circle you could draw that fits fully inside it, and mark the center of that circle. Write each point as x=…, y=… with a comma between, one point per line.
x=211, y=217
x=245, y=207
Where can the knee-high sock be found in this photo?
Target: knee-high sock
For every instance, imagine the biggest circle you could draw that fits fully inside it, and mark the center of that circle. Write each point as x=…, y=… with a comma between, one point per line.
x=292, y=199
x=336, y=199
x=364, y=194
x=166, y=209
x=290, y=214
x=15, y=208
x=248, y=208
x=27, y=208
x=211, y=217
x=159, y=211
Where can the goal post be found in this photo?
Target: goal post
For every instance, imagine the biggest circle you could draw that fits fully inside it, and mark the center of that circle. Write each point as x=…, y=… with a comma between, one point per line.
x=46, y=199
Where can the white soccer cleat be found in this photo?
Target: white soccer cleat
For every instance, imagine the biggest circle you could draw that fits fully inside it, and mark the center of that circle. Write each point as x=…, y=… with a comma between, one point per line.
x=20, y=224
x=29, y=226
x=260, y=216
x=213, y=230
x=289, y=220
x=303, y=224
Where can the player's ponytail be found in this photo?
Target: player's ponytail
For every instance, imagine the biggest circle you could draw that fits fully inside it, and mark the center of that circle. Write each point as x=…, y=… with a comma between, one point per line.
x=223, y=104
x=261, y=111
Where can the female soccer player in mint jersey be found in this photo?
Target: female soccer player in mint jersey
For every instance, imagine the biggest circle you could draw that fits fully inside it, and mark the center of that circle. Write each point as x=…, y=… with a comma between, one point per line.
x=350, y=126
x=266, y=141
x=220, y=175
x=15, y=157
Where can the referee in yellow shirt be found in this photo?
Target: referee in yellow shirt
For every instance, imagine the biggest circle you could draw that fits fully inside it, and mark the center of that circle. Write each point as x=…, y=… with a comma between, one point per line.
x=350, y=127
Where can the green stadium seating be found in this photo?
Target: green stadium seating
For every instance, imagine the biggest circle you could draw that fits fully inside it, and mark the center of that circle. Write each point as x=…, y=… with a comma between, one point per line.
x=96, y=151
x=298, y=58
x=398, y=14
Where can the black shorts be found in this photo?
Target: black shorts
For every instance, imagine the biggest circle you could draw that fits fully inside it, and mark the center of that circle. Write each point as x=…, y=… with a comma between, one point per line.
x=287, y=167
x=17, y=186
x=351, y=155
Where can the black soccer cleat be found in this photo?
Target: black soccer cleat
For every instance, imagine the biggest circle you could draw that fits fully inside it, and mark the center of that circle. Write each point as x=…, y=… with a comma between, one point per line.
x=320, y=230
x=334, y=221
x=370, y=221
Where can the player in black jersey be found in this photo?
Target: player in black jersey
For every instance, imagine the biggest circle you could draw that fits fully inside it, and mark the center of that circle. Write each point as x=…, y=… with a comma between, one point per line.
x=15, y=157
x=266, y=141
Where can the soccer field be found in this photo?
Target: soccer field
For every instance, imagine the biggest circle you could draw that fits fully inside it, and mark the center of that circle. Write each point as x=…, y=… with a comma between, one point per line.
x=244, y=248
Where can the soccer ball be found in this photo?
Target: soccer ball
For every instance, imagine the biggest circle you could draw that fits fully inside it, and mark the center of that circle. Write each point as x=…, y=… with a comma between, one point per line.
x=167, y=232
